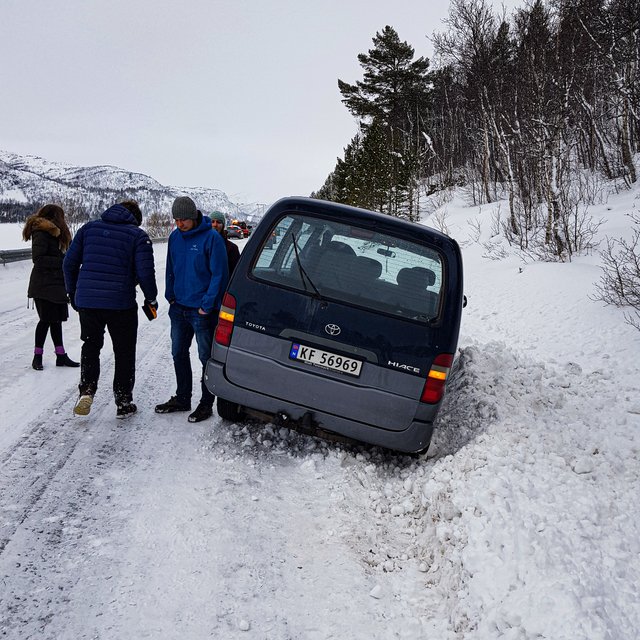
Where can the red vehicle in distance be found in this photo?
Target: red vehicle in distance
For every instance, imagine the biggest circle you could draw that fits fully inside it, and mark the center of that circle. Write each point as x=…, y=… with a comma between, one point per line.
x=243, y=227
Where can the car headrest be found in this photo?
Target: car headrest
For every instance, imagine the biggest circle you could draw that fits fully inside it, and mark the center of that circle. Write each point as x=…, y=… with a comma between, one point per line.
x=367, y=268
x=342, y=248
x=416, y=278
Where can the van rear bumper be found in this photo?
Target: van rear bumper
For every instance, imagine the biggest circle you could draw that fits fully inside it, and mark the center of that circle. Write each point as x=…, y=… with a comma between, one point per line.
x=416, y=437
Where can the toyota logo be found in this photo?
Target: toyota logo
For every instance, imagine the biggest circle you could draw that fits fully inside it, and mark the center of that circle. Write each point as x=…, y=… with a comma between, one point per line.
x=332, y=329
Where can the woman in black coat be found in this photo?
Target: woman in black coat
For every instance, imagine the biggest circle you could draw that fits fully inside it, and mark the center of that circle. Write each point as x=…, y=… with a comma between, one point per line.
x=50, y=238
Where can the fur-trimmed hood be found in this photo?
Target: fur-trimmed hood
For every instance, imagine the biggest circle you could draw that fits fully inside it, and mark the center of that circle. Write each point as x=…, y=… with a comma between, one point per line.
x=37, y=223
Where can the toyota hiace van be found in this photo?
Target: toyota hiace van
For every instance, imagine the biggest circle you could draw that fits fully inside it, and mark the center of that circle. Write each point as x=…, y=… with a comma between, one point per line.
x=341, y=322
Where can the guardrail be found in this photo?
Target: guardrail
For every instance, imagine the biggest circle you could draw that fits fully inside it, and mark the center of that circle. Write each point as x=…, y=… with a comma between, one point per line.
x=14, y=255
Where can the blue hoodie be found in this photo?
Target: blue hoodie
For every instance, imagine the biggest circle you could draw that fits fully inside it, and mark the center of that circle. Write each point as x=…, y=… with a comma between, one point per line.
x=107, y=259
x=197, y=271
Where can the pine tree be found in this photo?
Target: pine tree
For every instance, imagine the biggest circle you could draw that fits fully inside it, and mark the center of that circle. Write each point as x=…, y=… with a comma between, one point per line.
x=393, y=86
x=391, y=101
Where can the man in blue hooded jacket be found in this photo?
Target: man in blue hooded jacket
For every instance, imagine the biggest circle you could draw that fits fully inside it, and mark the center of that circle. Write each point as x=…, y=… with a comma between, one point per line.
x=196, y=278
x=106, y=260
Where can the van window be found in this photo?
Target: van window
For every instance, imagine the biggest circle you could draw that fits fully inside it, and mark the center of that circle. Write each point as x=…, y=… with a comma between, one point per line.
x=353, y=264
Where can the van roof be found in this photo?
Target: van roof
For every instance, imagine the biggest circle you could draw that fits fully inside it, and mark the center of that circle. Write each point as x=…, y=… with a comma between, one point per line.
x=362, y=216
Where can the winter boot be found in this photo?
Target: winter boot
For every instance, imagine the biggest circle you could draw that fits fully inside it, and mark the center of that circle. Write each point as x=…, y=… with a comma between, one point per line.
x=83, y=406
x=125, y=410
x=36, y=363
x=63, y=360
x=202, y=412
x=172, y=405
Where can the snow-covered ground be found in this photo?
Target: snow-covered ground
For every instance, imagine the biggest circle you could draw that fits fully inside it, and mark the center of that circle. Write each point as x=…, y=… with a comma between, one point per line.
x=11, y=236
x=519, y=523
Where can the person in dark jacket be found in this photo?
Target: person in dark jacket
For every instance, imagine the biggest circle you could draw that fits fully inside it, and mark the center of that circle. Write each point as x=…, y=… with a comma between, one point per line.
x=233, y=253
x=106, y=260
x=196, y=278
x=50, y=238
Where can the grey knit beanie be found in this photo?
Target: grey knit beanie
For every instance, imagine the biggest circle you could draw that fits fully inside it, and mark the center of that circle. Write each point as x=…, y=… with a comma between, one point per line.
x=184, y=208
x=219, y=216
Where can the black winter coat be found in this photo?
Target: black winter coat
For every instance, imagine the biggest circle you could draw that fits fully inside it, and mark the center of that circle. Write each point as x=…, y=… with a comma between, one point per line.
x=233, y=254
x=46, y=281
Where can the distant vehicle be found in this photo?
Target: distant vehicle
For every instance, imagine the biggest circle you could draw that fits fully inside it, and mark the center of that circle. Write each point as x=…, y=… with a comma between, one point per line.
x=246, y=230
x=339, y=322
x=234, y=231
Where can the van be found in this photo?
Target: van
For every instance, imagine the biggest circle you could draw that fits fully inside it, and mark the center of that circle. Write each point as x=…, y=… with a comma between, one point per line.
x=340, y=322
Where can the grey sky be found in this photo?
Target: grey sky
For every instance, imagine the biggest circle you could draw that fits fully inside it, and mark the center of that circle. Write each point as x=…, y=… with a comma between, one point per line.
x=236, y=95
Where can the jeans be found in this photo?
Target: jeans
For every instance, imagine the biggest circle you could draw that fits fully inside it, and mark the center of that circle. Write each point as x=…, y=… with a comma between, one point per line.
x=123, y=329
x=185, y=323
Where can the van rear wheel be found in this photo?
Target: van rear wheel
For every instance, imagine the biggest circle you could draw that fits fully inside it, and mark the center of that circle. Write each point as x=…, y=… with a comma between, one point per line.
x=228, y=410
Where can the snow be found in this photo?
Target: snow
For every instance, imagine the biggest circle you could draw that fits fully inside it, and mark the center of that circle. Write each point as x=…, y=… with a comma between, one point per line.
x=17, y=195
x=520, y=522
x=11, y=236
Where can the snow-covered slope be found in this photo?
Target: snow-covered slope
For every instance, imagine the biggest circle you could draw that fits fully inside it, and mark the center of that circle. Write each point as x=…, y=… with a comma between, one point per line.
x=33, y=179
x=519, y=524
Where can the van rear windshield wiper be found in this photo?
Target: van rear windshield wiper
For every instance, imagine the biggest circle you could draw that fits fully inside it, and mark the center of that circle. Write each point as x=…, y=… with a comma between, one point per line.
x=303, y=273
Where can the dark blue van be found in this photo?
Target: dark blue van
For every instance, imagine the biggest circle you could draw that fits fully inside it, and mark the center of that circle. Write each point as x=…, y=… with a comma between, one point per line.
x=341, y=322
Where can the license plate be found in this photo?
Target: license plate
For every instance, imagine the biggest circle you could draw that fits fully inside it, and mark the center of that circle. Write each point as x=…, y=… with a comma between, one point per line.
x=325, y=359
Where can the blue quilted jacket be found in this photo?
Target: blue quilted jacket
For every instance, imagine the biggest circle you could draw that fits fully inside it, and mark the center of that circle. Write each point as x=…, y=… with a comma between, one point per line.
x=107, y=259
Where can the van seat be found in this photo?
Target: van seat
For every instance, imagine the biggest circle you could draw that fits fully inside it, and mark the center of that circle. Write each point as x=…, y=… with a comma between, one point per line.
x=364, y=277
x=412, y=290
x=415, y=278
x=366, y=270
x=334, y=266
x=340, y=249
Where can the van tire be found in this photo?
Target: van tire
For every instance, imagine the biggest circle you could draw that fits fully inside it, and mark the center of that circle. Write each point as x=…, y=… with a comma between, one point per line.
x=228, y=410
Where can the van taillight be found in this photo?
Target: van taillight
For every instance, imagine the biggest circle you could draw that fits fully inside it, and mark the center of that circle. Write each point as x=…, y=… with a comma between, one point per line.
x=436, y=379
x=224, y=329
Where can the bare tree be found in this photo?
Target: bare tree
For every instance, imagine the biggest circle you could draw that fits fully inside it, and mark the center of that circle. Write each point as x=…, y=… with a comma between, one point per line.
x=158, y=225
x=620, y=280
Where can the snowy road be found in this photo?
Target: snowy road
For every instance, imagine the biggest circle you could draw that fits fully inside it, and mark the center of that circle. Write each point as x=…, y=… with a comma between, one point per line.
x=522, y=522
x=154, y=527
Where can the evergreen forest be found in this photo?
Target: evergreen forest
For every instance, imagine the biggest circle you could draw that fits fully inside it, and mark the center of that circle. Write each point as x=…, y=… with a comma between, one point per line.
x=539, y=108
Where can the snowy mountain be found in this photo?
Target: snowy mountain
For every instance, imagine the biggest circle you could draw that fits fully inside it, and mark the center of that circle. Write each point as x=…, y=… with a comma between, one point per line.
x=30, y=179
x=520, y=523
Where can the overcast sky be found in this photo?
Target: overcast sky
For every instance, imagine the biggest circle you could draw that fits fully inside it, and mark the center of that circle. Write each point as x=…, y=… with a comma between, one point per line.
x=236, y=95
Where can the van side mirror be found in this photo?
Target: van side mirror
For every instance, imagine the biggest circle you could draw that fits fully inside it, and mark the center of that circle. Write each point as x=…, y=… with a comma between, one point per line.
x=464, y=301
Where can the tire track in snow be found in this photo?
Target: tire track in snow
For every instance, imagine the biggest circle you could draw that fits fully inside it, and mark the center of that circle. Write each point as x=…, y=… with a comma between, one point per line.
x=29, y=466
x=51, y=480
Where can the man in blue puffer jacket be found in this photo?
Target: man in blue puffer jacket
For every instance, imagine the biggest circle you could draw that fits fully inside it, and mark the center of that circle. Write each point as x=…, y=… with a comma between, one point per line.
x=196, y=278
x=106, y=260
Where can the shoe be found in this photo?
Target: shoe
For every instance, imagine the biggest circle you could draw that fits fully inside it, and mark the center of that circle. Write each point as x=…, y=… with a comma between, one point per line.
x=37, y=362
x=63, y=360
x=126, y=410
x=202, y=412
x=172, y=406
x=83, y=406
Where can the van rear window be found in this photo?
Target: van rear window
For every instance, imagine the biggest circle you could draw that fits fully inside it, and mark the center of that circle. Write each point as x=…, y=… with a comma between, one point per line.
x=353, y=264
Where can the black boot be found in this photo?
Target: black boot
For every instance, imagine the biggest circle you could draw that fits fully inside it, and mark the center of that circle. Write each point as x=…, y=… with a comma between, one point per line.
x=63, y=360
x=37, y=362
